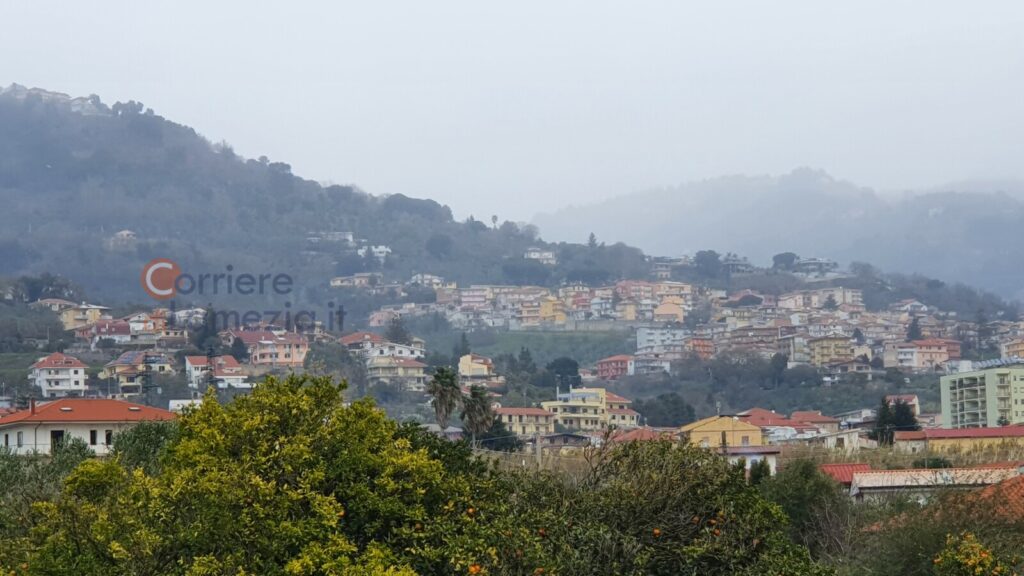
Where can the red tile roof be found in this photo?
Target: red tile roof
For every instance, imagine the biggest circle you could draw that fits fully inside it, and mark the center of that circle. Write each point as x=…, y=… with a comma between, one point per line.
x=843, y=473
x=624, y=411
x=1006, y=497
x=87, y=410
x=641, y=434
x=766, y=418
x=949, y=433
x=616, y=358
x=613, y=397
x=908, y=435
x=221, y=361
x=812, y=417
x=357, y=337
x=59, y=360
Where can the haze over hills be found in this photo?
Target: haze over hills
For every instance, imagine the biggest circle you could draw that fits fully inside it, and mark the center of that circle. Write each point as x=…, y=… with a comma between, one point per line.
x=970, y=232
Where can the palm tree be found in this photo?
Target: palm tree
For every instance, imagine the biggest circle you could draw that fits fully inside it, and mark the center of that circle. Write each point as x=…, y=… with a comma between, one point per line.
x=477, y=415
x=444, y=388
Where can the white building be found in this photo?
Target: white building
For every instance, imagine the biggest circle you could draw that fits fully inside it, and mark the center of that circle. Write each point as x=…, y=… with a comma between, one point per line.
x=659, y=338
x=95, y=421
x=227, y=372
x=544, y=256
x=59, y=375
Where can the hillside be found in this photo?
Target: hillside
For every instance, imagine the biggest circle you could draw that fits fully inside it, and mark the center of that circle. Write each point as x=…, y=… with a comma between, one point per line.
x=955, y=234
x=75, y=171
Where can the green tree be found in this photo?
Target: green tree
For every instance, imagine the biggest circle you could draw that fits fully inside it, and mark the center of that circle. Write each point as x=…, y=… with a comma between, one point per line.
x=565, y=370
x=477, y=414
x=461, y=349
x=708, y=263
x=445, y=395
x=903, y=417
x=815, y=504
x=885, y=424
x=239, y=351
x=914, y=330
x=784, y=261
x=830, y=303
x=669, y=409
x=498, y=437
x=760, y=471
x=396, y=332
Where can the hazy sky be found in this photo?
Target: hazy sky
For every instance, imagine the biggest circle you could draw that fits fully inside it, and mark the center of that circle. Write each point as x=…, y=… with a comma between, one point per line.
x=518, y=107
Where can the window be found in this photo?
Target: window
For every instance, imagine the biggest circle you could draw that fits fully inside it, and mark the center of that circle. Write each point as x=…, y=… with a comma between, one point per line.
x=745, y=440
x=92, y=437
x=108, y=437
x=21, y=439
x=7, y=440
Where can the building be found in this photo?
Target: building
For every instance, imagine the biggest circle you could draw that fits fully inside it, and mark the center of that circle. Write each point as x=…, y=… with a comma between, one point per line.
x=843, y=472
x=957, y=439
x=81, y=314
x=526, y=421
x=908, y=399
x=477, y=369
x=918, y=356
x=983, y=398
x=817, y=419
x=131, y=369
x=59, y=375
x=830, y=350
x=614, y=367
x=722, y=431
x=659, y=338
x=45, y=425
x=920, y=484
x=590, y=409
x=546, y=257
x=408, y=373
x=271, y=348
x=227, y=372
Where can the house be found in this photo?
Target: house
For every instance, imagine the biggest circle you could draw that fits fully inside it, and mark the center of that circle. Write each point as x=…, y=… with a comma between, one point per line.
x=380, y=252
x=358, y=280
x=614, y=367
x=81, y=314
x=669, y=310
x=408, y=373
x=53, y=304
x=564, y=440
x=131, y=369
x=936, y=440
x=908, y=399
x=45, y=425
x=920, y=484
x=750, y=455
x=917, y=356
x=227, y=372
x=985, y=397
x=817, y=419
x=546, y=257
x=590, y=409
x=526, y=421
x=718, y=431
x=59, y=375
x=273, y=348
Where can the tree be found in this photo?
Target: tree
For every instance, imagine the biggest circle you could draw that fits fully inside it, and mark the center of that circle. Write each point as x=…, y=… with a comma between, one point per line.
x=592, y=241
x=445, y=395
x=903, y=417
x=461, y=349
x=784, y=261
x=858, y=336
x=708, y=263
x=525, y=361
x=565, y=370
x=477, y=414
x=830, y=303
x=396, y=332
x=669, y=410
x=815, y=504
x=499, y=438
x=239, y=350
x=760, y=471
x=778, y=364
x=883, y=430
x=440, y=246
x=914, y=330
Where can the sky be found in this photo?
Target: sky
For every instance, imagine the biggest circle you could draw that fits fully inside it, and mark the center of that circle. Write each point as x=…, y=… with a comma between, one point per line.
x=522, y=107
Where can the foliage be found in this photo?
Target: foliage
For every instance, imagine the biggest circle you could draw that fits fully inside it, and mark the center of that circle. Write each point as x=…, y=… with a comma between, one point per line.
x=964, y=555
x=817, y=507
x=396, y=332
x=477, y=414
x=665, y=410
x=445, y=394
x=498, y=437
x=144, y=445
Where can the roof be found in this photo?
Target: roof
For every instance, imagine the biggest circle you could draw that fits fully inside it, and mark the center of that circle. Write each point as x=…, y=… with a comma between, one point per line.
x=613, y=397
x=812, y=417
x=616, y=358
x=86, y=410
x=59, y=360
x=908, y=435
x=357, y=337
x=138, y=358
x=951, y=433
x=738, y=422
x=843, y=472
x=766, y=419
x=928, y=478
x=624, y=411
x=641, y=434
x=748, y=450
x=257, y=336
x=225, y=361
x=1007, y=498
x=522, y=412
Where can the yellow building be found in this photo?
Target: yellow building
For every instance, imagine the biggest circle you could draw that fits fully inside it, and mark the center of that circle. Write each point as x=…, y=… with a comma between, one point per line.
x=718, y=431
x=1014, y=349
x=526, y=421
x=670, y=310
x=958, y=439
x=475, y=367
x=591, y=409
x=81, y=315
x=830, y=350
x=552, y=310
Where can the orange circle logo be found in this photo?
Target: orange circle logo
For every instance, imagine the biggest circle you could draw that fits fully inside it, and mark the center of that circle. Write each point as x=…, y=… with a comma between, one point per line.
x=159, y=278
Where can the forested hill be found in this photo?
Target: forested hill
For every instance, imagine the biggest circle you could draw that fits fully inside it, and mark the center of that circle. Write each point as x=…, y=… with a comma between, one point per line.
x=75, y=171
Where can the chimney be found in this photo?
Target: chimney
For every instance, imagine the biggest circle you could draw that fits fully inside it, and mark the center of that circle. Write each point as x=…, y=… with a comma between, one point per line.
x=32, y=405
